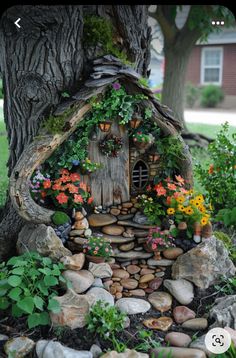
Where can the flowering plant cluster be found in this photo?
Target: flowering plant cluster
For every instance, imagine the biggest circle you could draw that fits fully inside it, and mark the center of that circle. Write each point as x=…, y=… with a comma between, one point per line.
x=88, y=166
x=159, y=240
x=66, y=191
x=142, y=137
x=111, y=145
x=36, y=184
x=98, y=246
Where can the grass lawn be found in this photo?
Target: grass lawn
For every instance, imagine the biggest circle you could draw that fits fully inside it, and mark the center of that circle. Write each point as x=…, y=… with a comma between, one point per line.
x=207, y=129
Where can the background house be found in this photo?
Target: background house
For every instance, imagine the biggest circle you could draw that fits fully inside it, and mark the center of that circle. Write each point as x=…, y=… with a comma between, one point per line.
x=214, y=62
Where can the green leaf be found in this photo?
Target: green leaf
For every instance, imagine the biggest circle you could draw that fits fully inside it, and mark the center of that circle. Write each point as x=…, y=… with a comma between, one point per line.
x=26, y=305
x=34, y=320
x=39, y=302
x=16, y=311
x=54, y=306
x=18, y=271
x=4, y=303
x=42, y=288
x=3, y=291
x=14, y=280
x=50, y=281
x=15, y=293
x=44, y=318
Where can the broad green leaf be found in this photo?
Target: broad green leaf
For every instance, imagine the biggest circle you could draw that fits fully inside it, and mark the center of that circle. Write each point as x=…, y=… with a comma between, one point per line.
x=4, y=303
x=14, y=280
x=3, y=291
x=39, y=302
x=15, y=261
x=42, y=288
x=45, y=271
x=46, y=261
x=54, y=306
x=44, y=318
x=16, y=311
x=33, y=320
x=50, y=281
x=26, y=305
x=3, y=282
x=18, y=271
x=15, y=293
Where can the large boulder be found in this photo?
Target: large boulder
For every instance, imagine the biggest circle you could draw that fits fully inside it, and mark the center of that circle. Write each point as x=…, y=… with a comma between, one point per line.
x=205, y=264
x=51, y=349
x=224, y=312
x=43, y=239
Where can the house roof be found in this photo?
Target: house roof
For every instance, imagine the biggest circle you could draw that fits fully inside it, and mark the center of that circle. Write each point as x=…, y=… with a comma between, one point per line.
x=109, y=69
x=226, y=36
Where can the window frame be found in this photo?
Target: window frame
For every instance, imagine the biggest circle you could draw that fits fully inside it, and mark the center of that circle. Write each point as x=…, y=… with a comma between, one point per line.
x=135, y=188
x=203, y=66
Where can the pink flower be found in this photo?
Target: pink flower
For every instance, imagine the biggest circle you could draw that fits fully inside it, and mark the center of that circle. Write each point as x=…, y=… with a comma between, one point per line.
x=116, y=86
x=106, y=249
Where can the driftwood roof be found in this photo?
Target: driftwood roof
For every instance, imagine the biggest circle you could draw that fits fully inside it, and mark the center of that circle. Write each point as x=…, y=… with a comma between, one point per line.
x=109, y=69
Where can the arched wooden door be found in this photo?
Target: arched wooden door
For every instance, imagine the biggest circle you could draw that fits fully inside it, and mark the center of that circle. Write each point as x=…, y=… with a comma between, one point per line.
x=110, y=185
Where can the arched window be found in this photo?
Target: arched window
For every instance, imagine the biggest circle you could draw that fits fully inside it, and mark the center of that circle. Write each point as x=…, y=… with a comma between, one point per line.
x=140, y=175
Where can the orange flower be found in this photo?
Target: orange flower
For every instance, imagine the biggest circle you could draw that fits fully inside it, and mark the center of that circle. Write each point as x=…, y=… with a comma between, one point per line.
x=171, y=186
x=179, y=179
x=43, y=194
x=65, y=179
x=78, y=198
x=47, y=184
x=83, y=186
x=183, y=191
x=56, y=187
x=168, y=200
x=64, y=172
x=72, y=188
x=211, y=169
x=62, y=198
x=160, y=189
x=90, y=200
x=74, y=177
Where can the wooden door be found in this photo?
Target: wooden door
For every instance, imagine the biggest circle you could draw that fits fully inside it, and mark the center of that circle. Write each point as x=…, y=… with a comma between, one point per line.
x=110, y=185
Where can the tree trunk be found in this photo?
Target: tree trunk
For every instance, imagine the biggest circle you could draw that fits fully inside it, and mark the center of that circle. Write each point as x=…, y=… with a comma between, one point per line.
x=46, y=57
x=176, y=62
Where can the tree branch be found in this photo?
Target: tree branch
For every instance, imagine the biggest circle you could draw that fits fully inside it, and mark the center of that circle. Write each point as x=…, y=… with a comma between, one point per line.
x=168, y=27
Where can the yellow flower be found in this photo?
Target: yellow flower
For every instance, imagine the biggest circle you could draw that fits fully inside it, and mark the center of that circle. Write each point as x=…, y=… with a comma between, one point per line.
x=202, y=208
x=170, y=211
x=192, y=202
x=199, y=198
x=181, y=208
x=180, y=199
x=188, y=210
x=204, y=220
x=197, y=203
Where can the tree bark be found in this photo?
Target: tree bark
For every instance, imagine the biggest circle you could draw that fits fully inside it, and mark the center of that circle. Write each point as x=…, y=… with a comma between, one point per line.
x=46, y=57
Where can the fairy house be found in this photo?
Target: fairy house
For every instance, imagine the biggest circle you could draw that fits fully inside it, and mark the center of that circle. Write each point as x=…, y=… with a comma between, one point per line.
x=121, y=177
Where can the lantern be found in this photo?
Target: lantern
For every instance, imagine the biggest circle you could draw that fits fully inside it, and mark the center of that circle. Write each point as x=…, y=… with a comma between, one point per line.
x=135, y=122
x=105, y=126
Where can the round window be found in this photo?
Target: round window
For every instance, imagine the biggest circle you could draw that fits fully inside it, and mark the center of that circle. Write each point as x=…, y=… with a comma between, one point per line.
x=140, y=175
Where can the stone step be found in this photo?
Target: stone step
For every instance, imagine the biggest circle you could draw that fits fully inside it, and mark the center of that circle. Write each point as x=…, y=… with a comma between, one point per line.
x=125, y=217
x=140, y=233
x=112, y=239
x=132, y=255
x=133, y=224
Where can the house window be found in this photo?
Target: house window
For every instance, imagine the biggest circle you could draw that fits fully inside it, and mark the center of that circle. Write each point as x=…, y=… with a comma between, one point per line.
x=140, y=175
x=212, y=65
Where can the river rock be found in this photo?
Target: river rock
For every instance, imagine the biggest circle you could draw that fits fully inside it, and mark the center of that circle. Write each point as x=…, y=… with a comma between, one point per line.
x=176, y=352
x=199, y=343
x=76, y=232
x=146, y=278
x=52, y=349
x=81, y=224
x=43, y=239
x=127, y=354
x=141, y=233
x=97, y=283
x=19, y=347
x=182, y=314
x=181, y=289
x=161, y=323
x=161, y=301
x=146, y=271
x=96, y=220
x=81, y=280
x=140, y=218
x=135, y=225
x=195, y=324
x=155, y=284
x=138, y=292
x=121, y=273
x=205, y=264
x=129, y=283
x=133, y=255
x=162, y=262
x=101, y=294
x=74, y=262
x=232, y=333
x=178, y=339
x=115, y=211
x=115, y=230
x=133, y=305
x=102, y=270
x=127, y=247
x=224, y=312
x=133, y=269
x=74, y=308
x=172, y=253
x=117, y=239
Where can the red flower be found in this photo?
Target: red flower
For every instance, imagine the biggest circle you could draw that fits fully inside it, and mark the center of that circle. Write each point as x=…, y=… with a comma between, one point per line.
x=160, y=189
x=72, y=188
x=43, y=194
x=47, y=184
x=56, y=187
x=83, y=186
x=78, y=198
x=171, y=186
x=62, y=198
x=149, y=188
x=64, y=172
x=65, y=179
x=74, y=177
x=90, y=200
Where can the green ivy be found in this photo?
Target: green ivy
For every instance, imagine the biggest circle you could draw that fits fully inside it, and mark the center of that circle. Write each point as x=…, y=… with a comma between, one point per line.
x=28, y=285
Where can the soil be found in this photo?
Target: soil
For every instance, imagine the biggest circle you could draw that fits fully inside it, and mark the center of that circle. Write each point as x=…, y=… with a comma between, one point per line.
x=81, y=339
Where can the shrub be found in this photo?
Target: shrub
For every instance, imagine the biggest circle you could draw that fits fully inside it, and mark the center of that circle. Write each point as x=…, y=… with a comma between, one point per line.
x=219, y=179
x=211, y=95
x=60, y=218
x=28, y=285
x=192, y=94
